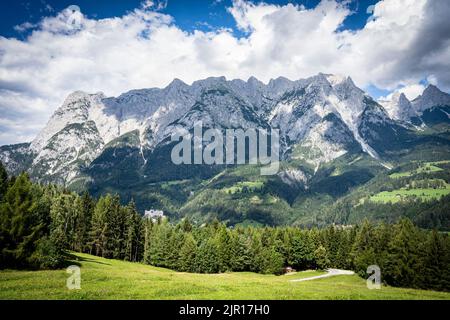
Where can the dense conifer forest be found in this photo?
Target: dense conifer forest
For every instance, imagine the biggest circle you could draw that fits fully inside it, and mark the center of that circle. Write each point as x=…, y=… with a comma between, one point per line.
x=41, y=224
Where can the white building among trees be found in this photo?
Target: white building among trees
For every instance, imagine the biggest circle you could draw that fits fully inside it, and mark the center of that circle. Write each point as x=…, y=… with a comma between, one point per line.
x=154, y=214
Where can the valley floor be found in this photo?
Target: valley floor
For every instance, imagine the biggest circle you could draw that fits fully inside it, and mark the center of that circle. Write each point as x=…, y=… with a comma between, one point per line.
x=113, y=279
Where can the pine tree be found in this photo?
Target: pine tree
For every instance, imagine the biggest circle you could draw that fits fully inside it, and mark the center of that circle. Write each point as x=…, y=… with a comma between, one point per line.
x=99, y=234
x=332, y=242
x=3, y=181
x=436, y=263
x=186, y=225
x=363, y=251
x=116, y=222
x=403, y=262
x=223, y=248
x=63, y=216
x=240, y=256
x=175, y=239
x=22, y=225
x=148, y=228
x=157, y=251
x=302, y=251
x=256, y=258
x=84, y=207
x=206, y=258
x=321, y=257
x=133, y=237
x=188, y=254
x=272, y=261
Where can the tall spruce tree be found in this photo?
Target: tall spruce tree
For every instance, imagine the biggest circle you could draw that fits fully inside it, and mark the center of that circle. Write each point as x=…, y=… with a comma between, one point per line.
x=63, y=216
x=133, y=234
x=363, y=250
x=302, y=251
x=84, y=207
x=206, y=258
x=436, y=263
x=240, y=255
x=116, y=229
x=99, y=233
x=403, y=263
x=223, y=248
x=21, y=224
x=3, y=181
x=188, y=254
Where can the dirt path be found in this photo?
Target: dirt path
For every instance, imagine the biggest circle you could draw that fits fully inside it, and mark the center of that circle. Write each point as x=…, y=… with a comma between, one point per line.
x=330, y=273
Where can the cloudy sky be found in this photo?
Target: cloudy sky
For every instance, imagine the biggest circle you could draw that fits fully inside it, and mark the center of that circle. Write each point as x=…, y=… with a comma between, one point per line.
x=49, y=48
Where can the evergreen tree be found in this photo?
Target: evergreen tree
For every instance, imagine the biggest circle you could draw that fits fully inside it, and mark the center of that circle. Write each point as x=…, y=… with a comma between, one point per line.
x=157, y=251
x=84, y=207
x=223, y=248
x=321, y=258
x=148, y=230
x=403, y=264
x=186, y=225
x=188, y=254
x=63, y=216
x=115, y=245
x=436, y=263
x=3, y=181
x=175, y=239
x=22, y=226
x=206, y=259
x=240, y=252
x=134, y=232
x=255, y=249
x=272, y=261
x=363, y=251
x=302, y=251
x=99, y=233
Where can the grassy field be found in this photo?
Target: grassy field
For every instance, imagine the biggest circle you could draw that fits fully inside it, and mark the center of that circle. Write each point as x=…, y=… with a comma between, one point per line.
x=428, y=167
x=239, y=187
x=404, y=194
x=112, y=279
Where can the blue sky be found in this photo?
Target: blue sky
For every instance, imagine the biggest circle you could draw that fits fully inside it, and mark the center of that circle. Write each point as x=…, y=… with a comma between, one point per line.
x=189, y=15
x=113, y=46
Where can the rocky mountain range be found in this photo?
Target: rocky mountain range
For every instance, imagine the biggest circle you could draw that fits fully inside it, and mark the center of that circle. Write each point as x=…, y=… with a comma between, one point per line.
x=93, y=141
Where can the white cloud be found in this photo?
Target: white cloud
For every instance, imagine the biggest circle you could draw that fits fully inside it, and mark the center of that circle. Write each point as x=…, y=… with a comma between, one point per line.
x=411, y=92
x=24, y=27
x=145, y=48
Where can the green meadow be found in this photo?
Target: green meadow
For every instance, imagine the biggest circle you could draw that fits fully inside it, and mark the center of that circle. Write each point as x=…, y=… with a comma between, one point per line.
x=428, y=167
x=404, y=194
x=113, y=279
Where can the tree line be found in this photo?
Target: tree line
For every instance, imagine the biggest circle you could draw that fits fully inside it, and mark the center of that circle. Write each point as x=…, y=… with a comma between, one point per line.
x=40, y=224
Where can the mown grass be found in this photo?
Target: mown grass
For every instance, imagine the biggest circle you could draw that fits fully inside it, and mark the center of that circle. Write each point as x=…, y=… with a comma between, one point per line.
x=406, y=194
x=112, y=279
x=428, y=167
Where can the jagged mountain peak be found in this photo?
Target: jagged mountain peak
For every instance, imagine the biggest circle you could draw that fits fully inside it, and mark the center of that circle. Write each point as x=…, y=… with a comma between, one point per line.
x=79, y=95
x=335, y=79
x=398, y=106
x=210, y=81
x=306, y=111
x=431, y=89
x=401, y=108
x=432, y=96
x=176, y=84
